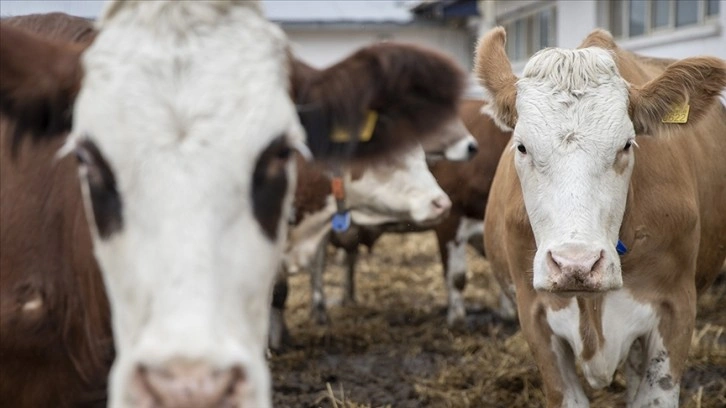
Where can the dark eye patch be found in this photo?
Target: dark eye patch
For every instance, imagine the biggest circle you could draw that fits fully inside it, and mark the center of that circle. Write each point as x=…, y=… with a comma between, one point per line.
x=269, y=185
x=105, y=199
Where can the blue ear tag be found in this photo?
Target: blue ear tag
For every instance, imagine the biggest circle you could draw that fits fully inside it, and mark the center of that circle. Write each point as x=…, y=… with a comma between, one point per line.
x=621, y=248
x=341, y=221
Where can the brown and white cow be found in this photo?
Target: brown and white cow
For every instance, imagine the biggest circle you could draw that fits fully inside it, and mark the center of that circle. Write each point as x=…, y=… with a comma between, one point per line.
x=401, y=190
x=56, y=345
x=183, y=126
x=605, y=153
x=467, y=185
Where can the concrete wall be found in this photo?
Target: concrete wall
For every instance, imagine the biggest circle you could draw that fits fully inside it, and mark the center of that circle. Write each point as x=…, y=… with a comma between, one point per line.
x=323, y=47
x=83, y=8
x=575, y=19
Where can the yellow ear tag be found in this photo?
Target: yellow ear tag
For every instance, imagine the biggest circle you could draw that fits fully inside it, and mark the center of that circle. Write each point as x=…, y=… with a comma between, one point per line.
x=369, y=127
x=342, y=136
x=679, y=114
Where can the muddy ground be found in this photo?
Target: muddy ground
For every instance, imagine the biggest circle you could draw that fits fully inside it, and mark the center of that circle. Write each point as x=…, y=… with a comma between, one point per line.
x=393, y=349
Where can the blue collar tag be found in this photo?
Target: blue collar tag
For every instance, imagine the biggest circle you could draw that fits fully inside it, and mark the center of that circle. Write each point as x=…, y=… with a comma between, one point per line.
x=621, y=248
x=341, y=221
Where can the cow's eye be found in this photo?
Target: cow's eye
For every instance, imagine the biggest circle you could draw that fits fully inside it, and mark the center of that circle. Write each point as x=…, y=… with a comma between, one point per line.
x=521, y=148
x=100, y=184
x=628, y=145
x=269, y=185
x=284, y=152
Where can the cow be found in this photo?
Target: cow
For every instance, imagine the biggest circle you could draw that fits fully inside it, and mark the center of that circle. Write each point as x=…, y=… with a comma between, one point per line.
x=401, y=190
x=453, y=142
x=606, y=214
x=179, y=120
x=56, y=345
x=467, y=185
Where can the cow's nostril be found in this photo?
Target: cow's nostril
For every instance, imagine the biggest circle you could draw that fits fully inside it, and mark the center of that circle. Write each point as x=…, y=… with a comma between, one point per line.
x=553, y=262
x=190, y=385
x=442, y=203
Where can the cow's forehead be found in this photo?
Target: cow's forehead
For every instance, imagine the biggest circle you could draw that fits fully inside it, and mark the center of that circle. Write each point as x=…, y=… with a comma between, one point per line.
x=573, y=96
x=572, y=70
x=219, y=83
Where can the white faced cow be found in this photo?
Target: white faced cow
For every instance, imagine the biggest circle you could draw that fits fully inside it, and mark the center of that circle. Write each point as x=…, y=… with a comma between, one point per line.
x=183, y=123
x=611, y=153
x=401, y=190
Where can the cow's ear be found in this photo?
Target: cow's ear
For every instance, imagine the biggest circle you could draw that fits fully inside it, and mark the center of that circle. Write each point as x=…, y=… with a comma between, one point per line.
x=681, y=95
x=383, y=98
x=494, y=71
x=40, y=80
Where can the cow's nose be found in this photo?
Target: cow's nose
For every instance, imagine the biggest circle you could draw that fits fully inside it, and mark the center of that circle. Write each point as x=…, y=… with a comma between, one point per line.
x=190, y=385
x=441, y=204
x=472, y=148
x=576, y=268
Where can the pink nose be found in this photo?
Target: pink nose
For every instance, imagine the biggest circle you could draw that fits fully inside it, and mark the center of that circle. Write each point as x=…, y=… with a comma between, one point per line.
x=189, y=385
x=576, y=268
x=441, y=205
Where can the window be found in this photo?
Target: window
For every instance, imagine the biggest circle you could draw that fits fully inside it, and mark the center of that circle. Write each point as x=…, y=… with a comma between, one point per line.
x=530, y=32
x=635, y=18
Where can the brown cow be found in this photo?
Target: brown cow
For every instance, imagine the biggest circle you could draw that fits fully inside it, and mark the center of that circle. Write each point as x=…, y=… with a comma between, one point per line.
x=55, y=335
x=183, y=127
x=608, y=213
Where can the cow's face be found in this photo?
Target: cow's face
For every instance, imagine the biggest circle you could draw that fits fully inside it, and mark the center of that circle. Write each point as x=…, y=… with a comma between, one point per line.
x=403, y=190
x=575, y=121
x=455, y=144
x=573, y=152
x=183, y=126
x=187, y=192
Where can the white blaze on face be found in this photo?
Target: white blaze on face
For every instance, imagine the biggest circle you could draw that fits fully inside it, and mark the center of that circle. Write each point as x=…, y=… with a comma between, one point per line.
x=397, y=192
x=183, y=101
x=573, y=157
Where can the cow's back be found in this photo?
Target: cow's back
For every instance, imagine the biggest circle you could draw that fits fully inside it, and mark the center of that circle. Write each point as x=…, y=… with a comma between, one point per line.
x=55, y=340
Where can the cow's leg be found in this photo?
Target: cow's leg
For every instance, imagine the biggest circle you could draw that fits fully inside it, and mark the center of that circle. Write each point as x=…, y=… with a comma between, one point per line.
x=634, y=370
x=553, y=355
x=655, y=384
x=507, y=307
x=317, y=267
x=351, y=259
x=278, y=328
x=663, y=361
x=453, y=257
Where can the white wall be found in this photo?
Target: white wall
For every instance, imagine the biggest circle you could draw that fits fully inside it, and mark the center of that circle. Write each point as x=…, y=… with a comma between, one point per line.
x=709, y=39
x=83, y=8
x=323, y=47
x=575, y=19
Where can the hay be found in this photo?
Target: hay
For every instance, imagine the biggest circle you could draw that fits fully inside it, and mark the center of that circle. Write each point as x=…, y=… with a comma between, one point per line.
x=394, y=349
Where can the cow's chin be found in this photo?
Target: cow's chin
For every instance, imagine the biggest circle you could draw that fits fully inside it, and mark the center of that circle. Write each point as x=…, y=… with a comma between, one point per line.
x=430, y=222
x=370, y=220
x=578, y=289
x=578, y=293
x=584, y=285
